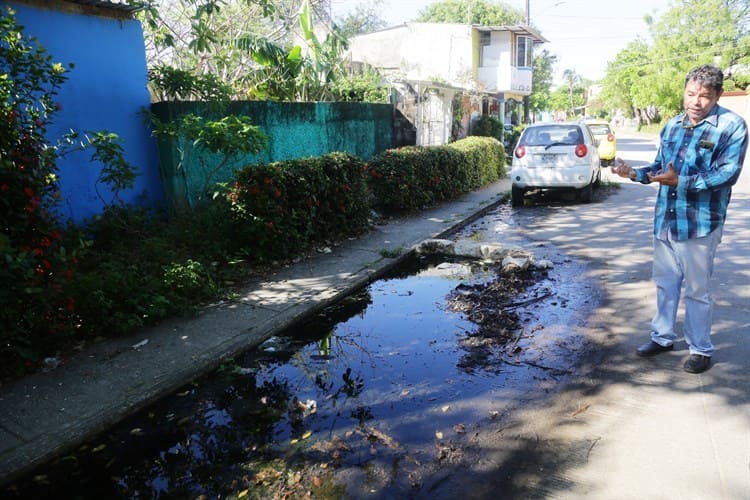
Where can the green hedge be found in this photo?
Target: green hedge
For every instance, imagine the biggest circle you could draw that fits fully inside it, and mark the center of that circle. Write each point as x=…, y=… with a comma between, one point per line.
x=412, y=178
x=285, y=207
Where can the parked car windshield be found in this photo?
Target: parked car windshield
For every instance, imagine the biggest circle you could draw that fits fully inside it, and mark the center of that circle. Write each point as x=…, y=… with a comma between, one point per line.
x=552, y=134
x=599, y=128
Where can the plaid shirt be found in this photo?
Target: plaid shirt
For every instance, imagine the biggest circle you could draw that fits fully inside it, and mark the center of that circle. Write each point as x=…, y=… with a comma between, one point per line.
x=708, y=159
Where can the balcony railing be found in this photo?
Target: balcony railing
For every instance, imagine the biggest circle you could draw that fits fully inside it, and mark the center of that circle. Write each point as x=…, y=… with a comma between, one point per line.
x=506, y=79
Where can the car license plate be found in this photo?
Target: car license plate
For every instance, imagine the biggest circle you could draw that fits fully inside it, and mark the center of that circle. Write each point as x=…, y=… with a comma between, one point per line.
x=548, y=158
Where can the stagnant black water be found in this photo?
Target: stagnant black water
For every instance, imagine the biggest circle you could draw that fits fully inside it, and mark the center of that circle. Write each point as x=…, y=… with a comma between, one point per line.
x=353, y=401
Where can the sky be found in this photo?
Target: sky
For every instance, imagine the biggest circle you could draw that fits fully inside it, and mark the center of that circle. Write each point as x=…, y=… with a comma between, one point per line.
x=583, y=34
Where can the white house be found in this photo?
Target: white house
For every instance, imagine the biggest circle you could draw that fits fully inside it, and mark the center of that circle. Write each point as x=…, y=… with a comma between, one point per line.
x=429, y=64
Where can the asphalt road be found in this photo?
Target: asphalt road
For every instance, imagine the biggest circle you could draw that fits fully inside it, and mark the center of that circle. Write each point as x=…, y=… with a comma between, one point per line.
x=628, y=427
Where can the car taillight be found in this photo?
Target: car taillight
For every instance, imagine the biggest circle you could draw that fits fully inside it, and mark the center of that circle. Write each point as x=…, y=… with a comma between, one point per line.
x=520, y=151
x=610, y=137
x=581, y=150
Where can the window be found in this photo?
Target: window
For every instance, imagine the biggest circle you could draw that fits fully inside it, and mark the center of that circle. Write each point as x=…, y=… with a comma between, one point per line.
x=484, y=43
x=524, y=52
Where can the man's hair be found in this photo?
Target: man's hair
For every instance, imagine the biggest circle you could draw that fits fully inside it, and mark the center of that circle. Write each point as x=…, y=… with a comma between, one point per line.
x=707, y=76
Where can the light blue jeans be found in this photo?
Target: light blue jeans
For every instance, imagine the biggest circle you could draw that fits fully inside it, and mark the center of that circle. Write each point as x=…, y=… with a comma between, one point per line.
x=689, y=263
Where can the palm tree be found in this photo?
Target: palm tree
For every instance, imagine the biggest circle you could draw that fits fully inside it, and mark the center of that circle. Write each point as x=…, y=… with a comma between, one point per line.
x=572, y=79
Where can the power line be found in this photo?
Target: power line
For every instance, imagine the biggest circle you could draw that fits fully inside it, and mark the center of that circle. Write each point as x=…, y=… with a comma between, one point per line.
x=713, y=50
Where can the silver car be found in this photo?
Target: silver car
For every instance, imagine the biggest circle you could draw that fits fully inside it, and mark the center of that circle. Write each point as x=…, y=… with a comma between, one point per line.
x=555, y=156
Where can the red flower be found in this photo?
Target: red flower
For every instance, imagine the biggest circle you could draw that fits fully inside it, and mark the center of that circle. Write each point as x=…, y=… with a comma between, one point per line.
x=71, y=305
x=268, y=180
x=29, y=192
x=45, y=242
x=277, y=194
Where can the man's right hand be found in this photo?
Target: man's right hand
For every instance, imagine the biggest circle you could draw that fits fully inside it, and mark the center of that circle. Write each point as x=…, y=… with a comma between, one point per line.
x=623, y=169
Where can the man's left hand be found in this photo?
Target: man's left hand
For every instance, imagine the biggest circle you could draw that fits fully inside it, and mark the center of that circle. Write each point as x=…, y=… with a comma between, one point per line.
x=667, y=177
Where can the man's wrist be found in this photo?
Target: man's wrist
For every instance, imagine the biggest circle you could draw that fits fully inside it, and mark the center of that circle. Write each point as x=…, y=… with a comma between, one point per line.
x=633, y=175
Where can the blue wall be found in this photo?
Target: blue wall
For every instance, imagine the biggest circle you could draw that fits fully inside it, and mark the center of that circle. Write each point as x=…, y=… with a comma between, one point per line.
x=106, y=89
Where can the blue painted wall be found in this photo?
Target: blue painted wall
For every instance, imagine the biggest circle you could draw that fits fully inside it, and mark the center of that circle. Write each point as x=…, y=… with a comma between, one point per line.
x=106, y=89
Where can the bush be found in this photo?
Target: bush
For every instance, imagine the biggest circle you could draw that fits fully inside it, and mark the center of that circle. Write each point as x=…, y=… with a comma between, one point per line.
x=37, y=261
x=416, y=177
x=286, y=207
x=487, y=126
x=486, y=157
x=37, y=251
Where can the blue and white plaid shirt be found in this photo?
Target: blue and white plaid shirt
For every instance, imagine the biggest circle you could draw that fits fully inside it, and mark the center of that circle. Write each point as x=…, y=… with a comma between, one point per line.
x=708, y=159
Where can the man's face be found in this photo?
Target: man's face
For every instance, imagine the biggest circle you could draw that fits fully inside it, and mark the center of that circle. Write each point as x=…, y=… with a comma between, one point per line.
x=699, y=100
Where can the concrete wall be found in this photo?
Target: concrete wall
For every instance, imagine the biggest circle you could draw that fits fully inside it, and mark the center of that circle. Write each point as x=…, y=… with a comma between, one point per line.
x=295, y=130
x=419, y=51
x=105, y=90
x=738, y=102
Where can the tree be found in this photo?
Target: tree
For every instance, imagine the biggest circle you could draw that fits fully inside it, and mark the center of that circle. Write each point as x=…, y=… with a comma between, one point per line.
x=251, y=45
x=570, y=96
x=539, y=100
x=364, y=19
x=623, y=87
x=651, y=78
x=572, y=86
x=480, y=12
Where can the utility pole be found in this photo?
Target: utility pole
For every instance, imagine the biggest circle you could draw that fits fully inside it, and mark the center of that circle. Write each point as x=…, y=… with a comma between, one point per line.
x=528, y=15
x=526, y=110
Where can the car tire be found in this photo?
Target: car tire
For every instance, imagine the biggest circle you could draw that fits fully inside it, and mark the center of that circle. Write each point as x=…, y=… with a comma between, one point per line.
x=585, y=195
x=516, y=196
x=598, y=178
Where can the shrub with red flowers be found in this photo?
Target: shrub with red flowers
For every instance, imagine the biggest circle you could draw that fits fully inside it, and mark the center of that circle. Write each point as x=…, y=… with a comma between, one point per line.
x=285, y=207
x=38, y=264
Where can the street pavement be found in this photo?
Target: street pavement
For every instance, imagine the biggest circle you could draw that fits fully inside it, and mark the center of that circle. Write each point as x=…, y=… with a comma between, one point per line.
x=635, y=428
x=625, y=428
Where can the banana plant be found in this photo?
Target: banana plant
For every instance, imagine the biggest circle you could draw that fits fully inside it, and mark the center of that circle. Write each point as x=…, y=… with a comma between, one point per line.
x=324, y=64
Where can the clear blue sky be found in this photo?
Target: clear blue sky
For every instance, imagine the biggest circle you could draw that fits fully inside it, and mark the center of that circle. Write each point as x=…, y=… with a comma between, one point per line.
x=583, y=34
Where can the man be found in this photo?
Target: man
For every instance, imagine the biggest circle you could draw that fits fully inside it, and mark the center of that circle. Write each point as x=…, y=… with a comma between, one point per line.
x=699, y=160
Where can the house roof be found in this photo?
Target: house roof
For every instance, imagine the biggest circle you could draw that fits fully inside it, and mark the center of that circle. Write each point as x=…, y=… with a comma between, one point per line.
x=123, y=5
x=515, y=28
x=119, y=8
x=518, y=29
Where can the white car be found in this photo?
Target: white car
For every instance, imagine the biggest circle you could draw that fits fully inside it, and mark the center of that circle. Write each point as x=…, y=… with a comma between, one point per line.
x=555, y=156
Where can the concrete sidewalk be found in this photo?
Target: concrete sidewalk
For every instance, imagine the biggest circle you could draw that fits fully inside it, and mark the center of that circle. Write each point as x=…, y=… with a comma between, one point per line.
x=47, y=413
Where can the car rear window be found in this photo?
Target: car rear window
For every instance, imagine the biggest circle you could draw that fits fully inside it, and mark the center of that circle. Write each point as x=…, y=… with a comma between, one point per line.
x=599, y=128
x=543, y=136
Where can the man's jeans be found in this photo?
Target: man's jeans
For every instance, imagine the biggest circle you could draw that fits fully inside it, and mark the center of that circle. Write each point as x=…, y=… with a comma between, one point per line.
x=690, y=262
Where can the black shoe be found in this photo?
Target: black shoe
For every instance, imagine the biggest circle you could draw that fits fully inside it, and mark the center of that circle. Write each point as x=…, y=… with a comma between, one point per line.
x=652, y=349
x=697, y=363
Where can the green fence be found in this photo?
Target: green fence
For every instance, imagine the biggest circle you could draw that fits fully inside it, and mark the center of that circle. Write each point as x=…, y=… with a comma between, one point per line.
x=294, y=130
